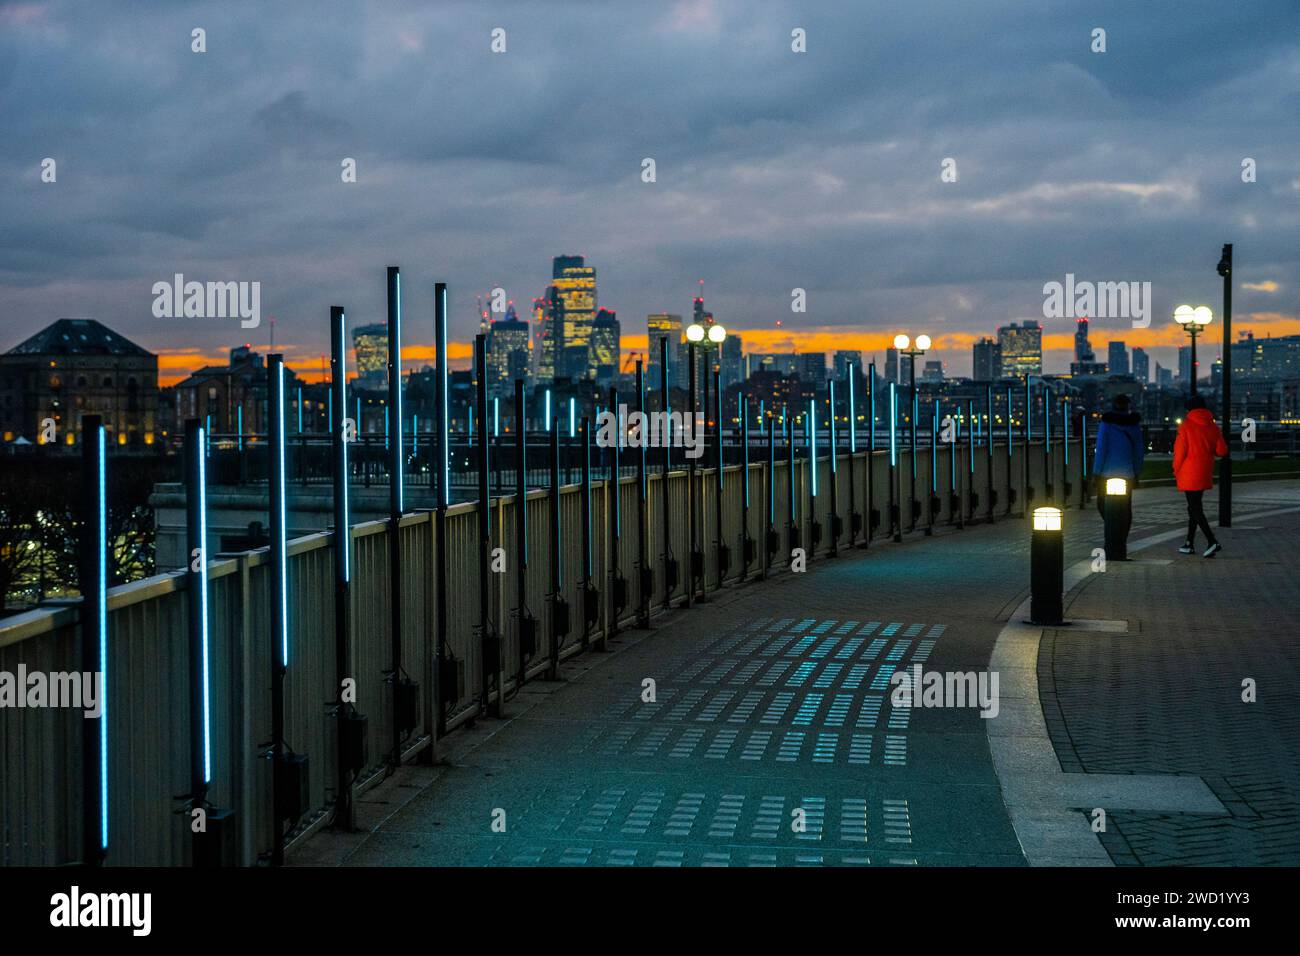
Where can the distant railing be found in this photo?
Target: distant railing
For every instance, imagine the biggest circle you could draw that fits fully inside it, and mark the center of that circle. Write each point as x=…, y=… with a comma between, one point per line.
x=147, y=667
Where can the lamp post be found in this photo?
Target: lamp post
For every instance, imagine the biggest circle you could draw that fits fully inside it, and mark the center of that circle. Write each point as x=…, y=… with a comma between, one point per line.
x=707, y=337
x=1225, y=466
x=1194, y=320
x=906, y=346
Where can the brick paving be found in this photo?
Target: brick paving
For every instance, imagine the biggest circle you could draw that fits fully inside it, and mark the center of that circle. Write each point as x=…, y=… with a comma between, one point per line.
x=1166, y=696
x=772, y=705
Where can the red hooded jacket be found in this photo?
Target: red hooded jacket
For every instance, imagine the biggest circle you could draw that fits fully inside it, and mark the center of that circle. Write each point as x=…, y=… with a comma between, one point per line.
x=1199, y=442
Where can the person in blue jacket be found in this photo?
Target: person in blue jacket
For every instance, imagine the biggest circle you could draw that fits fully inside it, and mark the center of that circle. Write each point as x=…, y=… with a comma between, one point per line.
x=1119, y=449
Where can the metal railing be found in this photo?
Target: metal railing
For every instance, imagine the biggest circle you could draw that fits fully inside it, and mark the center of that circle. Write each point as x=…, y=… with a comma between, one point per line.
x=40, y=757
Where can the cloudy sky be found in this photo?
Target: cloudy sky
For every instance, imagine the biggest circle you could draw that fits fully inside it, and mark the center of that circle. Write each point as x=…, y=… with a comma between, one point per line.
x=775, y=170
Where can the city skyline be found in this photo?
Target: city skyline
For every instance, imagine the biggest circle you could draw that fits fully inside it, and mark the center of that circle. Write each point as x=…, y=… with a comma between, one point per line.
x=1112, y=166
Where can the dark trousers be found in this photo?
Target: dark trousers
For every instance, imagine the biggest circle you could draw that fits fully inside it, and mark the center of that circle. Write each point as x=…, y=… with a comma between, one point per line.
x=1101, y=510
x=1196, y=517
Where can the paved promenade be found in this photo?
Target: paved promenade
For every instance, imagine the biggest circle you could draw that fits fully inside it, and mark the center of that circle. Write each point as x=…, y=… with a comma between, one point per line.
x=772, y=739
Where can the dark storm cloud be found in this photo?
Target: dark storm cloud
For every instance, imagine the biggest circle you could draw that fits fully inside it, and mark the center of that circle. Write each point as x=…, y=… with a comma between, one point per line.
x=775, y=170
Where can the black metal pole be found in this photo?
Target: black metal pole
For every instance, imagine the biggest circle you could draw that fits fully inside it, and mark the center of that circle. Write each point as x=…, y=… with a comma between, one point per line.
x=396, y=504
x=343, y=808
x=590, y=594
x=645, y=584
x=932, y=499
x=988, y=458
x=895, y=476
x=196, y=547
x=94, y=637
x=489, y=645
x=557, y=568
x=870, y=521
x=746, y=541
x=854, y=518
x=1225, y=463
x=1049, y=486
x=527, y=626
x=279, y=601
x=772, y=543
x=617, y=582
x=792, y=533
x=670, y=562
x=442, y=432
x=721, y=550
x=695, y=557
x=835, y=479
x=913, y=510
x=1011, y=440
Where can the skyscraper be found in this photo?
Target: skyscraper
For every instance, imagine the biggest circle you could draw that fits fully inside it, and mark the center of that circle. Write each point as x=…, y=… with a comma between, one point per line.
x=845, y=357
x=665, y=325
x=1021, y=349
x=370, y=342
x=812, y=368
x=1141, y=365
x=574, y=304
x=1185, y=372
x=891, y=365
x=733, y=368
x=546, y=329
x=987, y=364
x=605, y=346
x=1117, y=358
x=507, y=358
x=1082, y=347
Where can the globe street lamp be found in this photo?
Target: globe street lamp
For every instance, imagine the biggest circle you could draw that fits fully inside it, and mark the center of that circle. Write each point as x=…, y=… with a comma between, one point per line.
x=707, y=336
x=1194, y=320
x=905, y=346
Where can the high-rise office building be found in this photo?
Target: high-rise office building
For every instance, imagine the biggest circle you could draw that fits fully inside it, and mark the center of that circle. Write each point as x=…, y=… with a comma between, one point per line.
x=1117, y=358
x=891, y=365
x=987, y=360
x=843, y=358
x=733, y=359
x=605, y=346
x=546, y=335
x=1274, y=358
x=370, y=343
x=1082, y=347
x=812, y=368
x=1164, y=376
x=1141, y=365
x=574, y=284
x=933, y=371
x=666, y=325
x=1021, y=349
x=507, y=358
x=1185, y=371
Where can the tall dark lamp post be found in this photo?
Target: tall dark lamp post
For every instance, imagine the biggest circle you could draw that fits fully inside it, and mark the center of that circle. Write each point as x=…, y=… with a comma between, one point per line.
x=1225, y=466
x=1194, y=320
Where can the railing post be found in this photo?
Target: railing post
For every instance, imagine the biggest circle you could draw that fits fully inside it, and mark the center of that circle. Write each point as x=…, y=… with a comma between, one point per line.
x=94, y=638
x=746, y=541
x=696, y=562
x=396, y=504
x=617, y=582
x=671, y=568
x=445, y=673
x=590, y=593
x=988, y=458
x=645, y=575
x=282, y=795
x=872, y=516
x=1011, y=441
x=932, y=501
x=895, y=478
x=559, y=607
x=489, y=640
x=527, y=627
x=835, y=481
x=792, y=528
x=855, y=519
x=722, y=551
x=771, y=545
x=343, y=809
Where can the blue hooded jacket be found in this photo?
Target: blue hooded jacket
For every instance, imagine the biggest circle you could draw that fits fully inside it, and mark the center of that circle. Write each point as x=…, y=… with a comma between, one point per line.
x=1119, y=446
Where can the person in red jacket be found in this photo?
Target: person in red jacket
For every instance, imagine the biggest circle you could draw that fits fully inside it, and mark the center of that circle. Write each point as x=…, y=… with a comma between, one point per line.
x=1199, y=442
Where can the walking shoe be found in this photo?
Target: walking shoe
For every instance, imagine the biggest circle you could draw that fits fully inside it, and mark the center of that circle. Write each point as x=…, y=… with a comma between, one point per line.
x=1213, y=549
x=1186, y=548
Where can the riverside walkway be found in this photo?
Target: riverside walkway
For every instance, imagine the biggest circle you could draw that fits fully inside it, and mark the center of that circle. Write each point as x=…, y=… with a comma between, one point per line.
x=771, y=737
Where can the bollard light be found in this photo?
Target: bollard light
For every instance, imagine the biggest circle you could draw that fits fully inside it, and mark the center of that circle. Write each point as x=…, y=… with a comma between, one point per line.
x=1046, y=567
x=1047, y=519
x=1118, y=513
